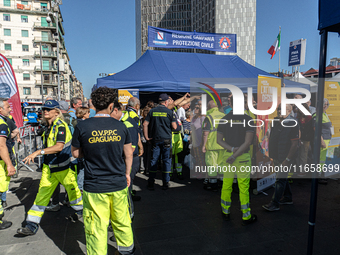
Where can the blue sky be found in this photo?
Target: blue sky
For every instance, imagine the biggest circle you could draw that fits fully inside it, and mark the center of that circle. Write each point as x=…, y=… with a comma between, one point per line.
x=100, y=35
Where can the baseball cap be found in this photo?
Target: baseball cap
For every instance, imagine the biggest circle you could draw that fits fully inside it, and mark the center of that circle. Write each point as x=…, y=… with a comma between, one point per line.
x=51, y=104
x=163, y=97
x=63, y=105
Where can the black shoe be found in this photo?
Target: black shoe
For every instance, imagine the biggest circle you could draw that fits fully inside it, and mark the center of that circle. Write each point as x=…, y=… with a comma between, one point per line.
x=285, y=201
x=323, y=181
x=166, y=186
x=151, y=186
x=25, y=231
x=180, y=176
x=136, y=198
x=271, y=207
x=74, y=217
x=5, y=224
x=226, y=217
x=4, y=204
x=250, y=221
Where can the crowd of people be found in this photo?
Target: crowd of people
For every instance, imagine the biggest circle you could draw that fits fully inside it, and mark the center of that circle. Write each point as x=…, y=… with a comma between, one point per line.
x=96, y=149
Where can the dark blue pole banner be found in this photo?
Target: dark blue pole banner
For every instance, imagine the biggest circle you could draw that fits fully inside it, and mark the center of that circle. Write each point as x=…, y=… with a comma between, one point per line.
x=165, y=38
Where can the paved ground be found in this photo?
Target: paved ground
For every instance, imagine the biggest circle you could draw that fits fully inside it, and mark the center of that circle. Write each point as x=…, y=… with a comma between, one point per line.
x=184, y=220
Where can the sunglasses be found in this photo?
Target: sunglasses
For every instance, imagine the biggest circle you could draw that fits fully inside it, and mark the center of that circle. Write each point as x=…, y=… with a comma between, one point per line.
x=197, y=108
x=47, y=109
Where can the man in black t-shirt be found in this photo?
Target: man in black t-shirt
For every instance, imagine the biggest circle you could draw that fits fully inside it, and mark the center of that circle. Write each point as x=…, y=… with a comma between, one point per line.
x=105, y=145
x=235, y=135
x=283, y=143
x=157, y=130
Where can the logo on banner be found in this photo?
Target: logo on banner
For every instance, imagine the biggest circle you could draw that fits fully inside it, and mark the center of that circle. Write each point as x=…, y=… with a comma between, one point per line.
x=160, y=38
x=225, y=43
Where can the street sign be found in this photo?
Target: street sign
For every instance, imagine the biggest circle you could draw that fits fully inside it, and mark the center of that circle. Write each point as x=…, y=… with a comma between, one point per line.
x=25, y=104
x=297, y=52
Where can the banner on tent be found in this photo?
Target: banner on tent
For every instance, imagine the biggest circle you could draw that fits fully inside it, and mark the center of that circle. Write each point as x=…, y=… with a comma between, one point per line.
x=332, y=93
x=9, y=89
x=125, y=95
x=165, y=38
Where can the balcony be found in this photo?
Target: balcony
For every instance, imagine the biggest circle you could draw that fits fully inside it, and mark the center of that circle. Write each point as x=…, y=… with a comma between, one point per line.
x=45, y=69
x=48, y=40
x=47, y=83
x=45, y=26
x=23, y=9
x=48, y=54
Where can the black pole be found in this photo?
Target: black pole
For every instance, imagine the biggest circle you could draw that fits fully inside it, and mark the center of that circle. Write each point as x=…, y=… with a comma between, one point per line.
x=317, y=139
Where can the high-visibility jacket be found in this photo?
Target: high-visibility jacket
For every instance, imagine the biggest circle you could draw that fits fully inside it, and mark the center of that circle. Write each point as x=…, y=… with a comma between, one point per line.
x=132, y=126
x=212, y=144
x=62, y=160
x=133, y=115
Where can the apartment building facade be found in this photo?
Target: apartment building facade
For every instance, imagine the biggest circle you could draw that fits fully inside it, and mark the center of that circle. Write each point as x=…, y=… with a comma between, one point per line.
x=29, y=42
x=208, y=16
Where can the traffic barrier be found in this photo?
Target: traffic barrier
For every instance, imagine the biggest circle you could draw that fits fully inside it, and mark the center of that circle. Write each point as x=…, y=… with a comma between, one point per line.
x=30, y=143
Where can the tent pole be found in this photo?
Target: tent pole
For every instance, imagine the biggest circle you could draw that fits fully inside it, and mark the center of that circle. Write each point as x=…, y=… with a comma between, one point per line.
x=317, y=139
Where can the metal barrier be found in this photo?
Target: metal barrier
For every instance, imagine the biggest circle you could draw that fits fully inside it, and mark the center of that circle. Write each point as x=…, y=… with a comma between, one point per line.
x=30, y=143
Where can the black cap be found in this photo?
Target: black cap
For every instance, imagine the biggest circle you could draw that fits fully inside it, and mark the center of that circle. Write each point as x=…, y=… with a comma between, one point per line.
x=163, y=97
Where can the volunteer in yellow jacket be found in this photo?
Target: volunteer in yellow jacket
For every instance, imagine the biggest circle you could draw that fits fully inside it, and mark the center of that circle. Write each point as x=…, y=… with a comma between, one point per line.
x=6, y=167
x=56, y=168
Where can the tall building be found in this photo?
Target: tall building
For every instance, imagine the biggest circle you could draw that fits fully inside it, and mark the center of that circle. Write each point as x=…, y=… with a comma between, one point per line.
x=25, y=32
x=209, y=16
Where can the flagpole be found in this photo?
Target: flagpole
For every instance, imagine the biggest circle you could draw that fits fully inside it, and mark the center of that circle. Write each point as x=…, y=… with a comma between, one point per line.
x=280, y=48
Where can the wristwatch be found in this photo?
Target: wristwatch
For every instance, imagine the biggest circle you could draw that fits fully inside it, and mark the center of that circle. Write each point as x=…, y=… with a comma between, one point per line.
x=42, y=152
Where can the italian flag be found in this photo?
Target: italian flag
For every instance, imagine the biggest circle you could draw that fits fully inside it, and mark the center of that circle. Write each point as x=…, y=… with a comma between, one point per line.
x=276, y=46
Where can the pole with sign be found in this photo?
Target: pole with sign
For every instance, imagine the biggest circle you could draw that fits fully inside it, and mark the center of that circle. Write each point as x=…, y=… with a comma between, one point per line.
x=297, y=56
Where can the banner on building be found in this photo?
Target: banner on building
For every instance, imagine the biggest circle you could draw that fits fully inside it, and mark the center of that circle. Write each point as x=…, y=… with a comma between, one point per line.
x=332, y=93
x=297, y=52
x=9, y=89
x=165, y=38
x=125, y=95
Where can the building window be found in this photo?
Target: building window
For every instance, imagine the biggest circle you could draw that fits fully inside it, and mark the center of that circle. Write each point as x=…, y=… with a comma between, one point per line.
x=46, y=65
x=7, y=32
x=43, y=6
x=44, y=22
x=26, y=76
x=10, y=60
x=24, y=2
x=7, y=17
x=26, y=62
x=8, y=46
x=24, y=47
x=27, y=91
x=24, y=19
x=44, y=36
x=45, y=91
x=24, y=33
x=7, y=2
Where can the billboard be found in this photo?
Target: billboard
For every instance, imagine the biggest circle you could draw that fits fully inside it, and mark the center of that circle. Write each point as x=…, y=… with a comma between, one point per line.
x=125, y=94
x=297, y=52
x=165, y=38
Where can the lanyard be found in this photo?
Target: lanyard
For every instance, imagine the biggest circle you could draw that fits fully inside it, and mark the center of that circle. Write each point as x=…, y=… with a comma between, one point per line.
x=102, y=115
